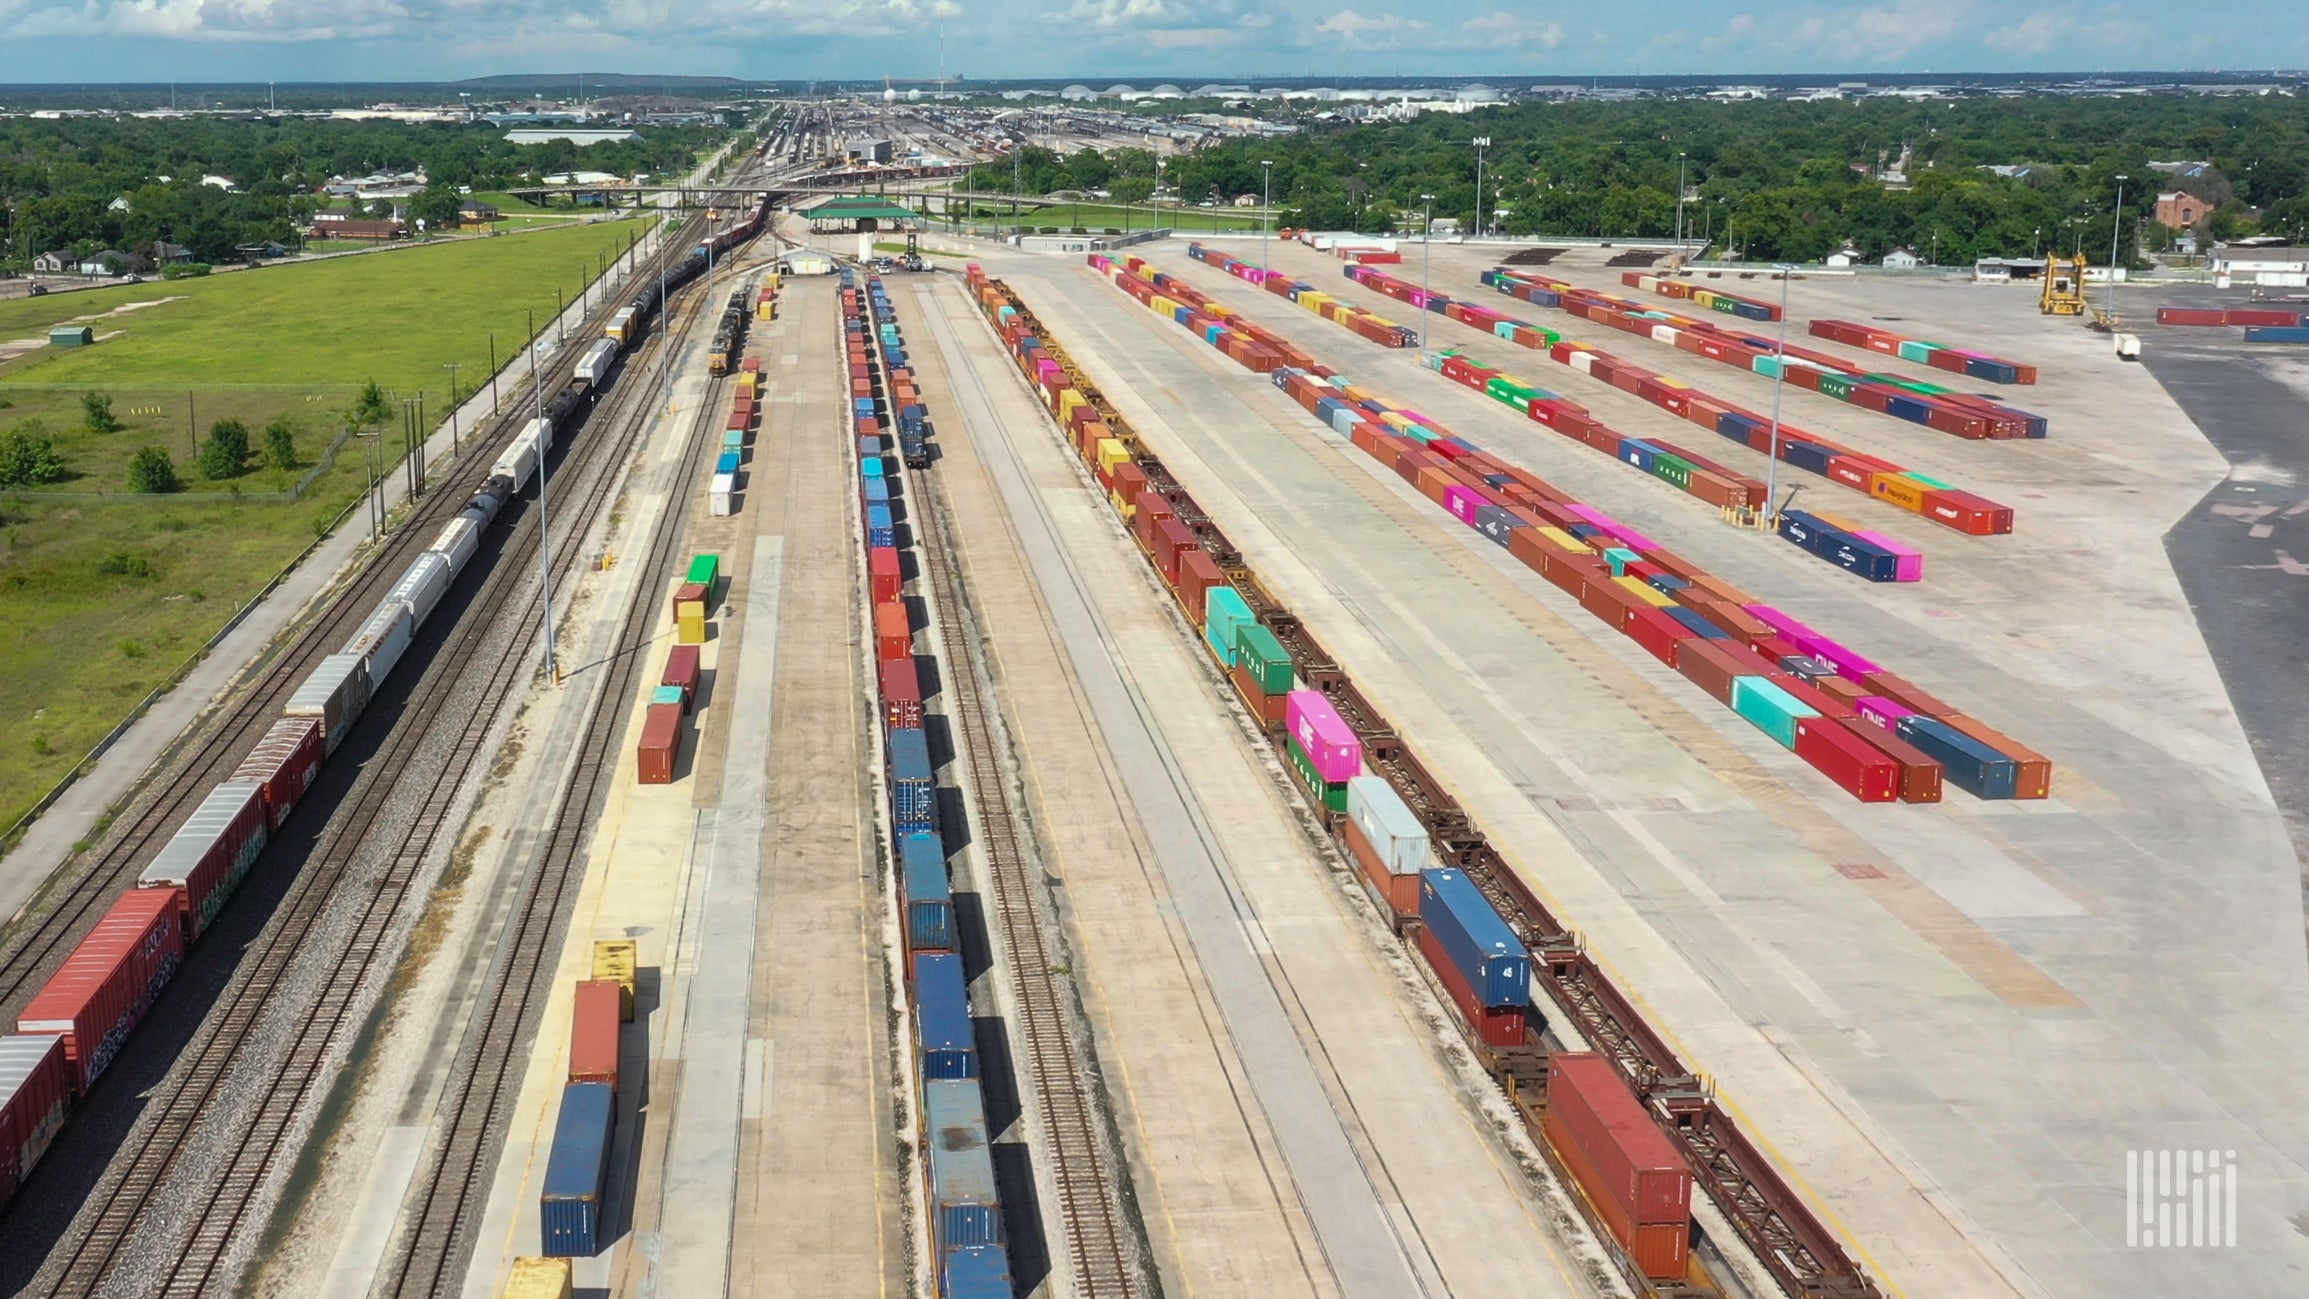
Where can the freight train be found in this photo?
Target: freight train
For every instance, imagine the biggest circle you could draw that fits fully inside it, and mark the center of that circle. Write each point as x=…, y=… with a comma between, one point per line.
x=729, y=334
x=78, y=1022
x=968, y=1243
x=631, y=321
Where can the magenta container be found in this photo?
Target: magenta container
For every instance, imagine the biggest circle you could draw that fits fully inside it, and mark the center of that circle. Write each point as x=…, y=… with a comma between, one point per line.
x=1464, y=502
x=1323, y=736
x=1789, y=627
x=1619, y=531
x=1907, y=561
x=1849, y=665
x=1876, y=710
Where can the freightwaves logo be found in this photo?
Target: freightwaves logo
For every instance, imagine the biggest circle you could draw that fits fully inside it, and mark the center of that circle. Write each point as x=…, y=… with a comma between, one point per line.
x=2180, y=1199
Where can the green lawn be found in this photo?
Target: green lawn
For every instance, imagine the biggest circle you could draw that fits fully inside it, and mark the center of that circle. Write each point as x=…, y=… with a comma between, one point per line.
x=1096, y=217
x=101, y=600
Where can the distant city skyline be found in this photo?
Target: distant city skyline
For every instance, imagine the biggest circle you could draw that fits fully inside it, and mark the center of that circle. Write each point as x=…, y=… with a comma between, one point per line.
x=371, y=40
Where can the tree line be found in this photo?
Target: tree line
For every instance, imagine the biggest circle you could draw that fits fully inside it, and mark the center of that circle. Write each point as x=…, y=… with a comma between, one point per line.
x=1776, y=180
x=89, y=183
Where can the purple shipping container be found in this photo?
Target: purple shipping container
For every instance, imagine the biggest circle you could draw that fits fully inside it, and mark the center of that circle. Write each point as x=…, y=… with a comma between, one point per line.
x=1876, y=710
x=1323, y=736
x=1908, y=562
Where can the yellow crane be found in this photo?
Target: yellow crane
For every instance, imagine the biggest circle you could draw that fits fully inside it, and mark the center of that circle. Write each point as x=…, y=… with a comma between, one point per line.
x=2064, y=286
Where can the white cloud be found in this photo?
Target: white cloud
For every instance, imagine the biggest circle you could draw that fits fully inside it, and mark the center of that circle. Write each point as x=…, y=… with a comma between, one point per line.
x=1883, y=33
x=1501, y=30
x=2048, y=29
x=1358, y=32
x=1738, y=30
x=468, y=22
x=2034, y=34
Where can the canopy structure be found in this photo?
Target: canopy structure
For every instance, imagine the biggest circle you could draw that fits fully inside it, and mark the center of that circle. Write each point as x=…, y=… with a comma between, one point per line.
x=862, y=214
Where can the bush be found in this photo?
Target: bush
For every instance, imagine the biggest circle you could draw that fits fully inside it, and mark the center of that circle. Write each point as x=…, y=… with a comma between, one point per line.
x=28, y=457
x=96, y=411
x=226, y=452
x=372, y=407
x=281, y=443
x=184, y=270
x=126, y=563
x=150, y=470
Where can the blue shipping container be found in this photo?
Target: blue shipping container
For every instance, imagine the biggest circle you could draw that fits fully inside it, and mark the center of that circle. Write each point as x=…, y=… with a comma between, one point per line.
x=1908, y=408
x=913, y=791
x=1487, y=952
x=727, y=463
x=965, y=1211
x=1803, y=455
x=1698, y=623
x=2276, y=334
x=1638, y=452
x=1970, y=765
x=877, y=490
x=978, y=1272
x=569, y=1214
x=1495, y=522
x=877, y=516
x=944, y=1041
x=929, y=893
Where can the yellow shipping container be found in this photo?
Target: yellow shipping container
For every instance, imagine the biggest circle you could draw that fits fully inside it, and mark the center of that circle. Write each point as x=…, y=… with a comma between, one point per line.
x=1110, y=454
x=1902, y=491
x=1645, y=592
x=690, y=627
x=618, y=959
x=1565, y=539
x=1128, y=509
x=537, y=1278
x=1665, y=382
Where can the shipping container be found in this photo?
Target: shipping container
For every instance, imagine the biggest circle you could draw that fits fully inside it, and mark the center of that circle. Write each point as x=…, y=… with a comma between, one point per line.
x=284, y=764
x=1638, y=1168
x=721, y=495
x=1224, y=616
x=660, y=747
x=576, y=1172
x=35, y=1095
x=1266, y=662
x=945, y=1042
x=422, y=585
x=1769, y=708
x=593, y=1032
x=965, y=1210
x=1970, y=765
x=901, y=686
x=977, y=1272
x=681, y=669
x=1501, y=1026
x=1859, y=768
x=96, y=998
x=893, y=631
x=538, y=1278
x=1397, y=838
x=203, y=862
x=884, y=573
x=1489, y=956
x=704, y=570
x=928, y=893
x=1920, y=774
x=1660, y=1251
x=913, y=788
x=336, y=693
x=1329, y=745
x=619, y=961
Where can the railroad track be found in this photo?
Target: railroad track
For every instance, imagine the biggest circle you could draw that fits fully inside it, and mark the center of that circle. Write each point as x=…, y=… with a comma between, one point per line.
x=209, y=752
x=1076, y=1149
x=429, y=1257
x=196, y=1084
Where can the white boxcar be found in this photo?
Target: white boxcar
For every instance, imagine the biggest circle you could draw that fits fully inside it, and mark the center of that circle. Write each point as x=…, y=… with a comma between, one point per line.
x=518, y=461
x=336, y=692
x=422, y=585
x=1392, y=829
x=382, y=640
x=458, y=539
x=594, y=366
x=719, y=493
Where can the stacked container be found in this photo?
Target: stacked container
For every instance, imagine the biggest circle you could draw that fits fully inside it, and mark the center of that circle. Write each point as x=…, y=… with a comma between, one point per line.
x=1639, y=1183
x=1483, y=967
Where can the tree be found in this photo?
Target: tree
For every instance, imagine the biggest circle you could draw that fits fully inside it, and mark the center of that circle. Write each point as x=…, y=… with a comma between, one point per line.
x=281, y=443
x=436, y=206
x=225, y=453
x=96, y=411
x=371, y=407
x=28, y=457
x=150, y=470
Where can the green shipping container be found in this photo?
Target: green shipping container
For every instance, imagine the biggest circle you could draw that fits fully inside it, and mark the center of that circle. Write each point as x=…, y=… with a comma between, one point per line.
x=705, y=570
x=1263, y=657
x=1837, y=386
x=1767, y=366
x=1929, y=481
x=1674, y=469
x=1769, y=708
x=1224, y=614
x=1726, y=305
x=1917, y=351
x=1332, y=795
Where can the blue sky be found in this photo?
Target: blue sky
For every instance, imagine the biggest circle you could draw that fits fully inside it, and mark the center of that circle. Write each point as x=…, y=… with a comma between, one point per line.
x=208, y=40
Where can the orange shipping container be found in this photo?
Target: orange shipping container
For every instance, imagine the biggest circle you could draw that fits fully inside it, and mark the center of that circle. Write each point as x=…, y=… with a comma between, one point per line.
x=660, y=743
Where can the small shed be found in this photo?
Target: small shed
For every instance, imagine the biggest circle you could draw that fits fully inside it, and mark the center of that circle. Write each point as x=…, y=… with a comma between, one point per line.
x=804, y=261
x=72, y=336
x=1900, y=259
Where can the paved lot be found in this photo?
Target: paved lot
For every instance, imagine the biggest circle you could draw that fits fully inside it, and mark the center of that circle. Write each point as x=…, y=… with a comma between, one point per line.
x=1953, y=1043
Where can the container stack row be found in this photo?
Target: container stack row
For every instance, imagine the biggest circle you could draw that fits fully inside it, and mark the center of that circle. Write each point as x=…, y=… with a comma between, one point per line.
x=576, y=1188
x=737, y=433
x=966, y=1211
x=2248, y=317
x=1378, y=329
x=766, y=298
x=1811, y=694
x=673, y=702
x=79, y=1021
x=1939, y=356
x=1943, y=409
x=1731, y=304
x=1637, y=1183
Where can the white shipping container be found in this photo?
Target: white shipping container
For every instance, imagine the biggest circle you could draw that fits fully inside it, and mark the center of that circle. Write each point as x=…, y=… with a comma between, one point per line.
x=382, y=640
x=594, y=367
x=1664, y=334
x=422, y=585
x=457, y=541
x=1391, y=828
x=336, y=692
x=540, y=432
x=1584, y=362
x=718, y=495
x=518, y=462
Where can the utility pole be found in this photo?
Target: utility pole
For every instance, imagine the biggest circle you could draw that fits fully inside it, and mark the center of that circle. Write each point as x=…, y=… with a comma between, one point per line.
x=1779, y=381
x=1679, y=200
x=544, y=528
x=1266, y=205
x=452, y=367
x=1482, y=144
x=493, y=374
x=1426, y=259
x=2116, y=225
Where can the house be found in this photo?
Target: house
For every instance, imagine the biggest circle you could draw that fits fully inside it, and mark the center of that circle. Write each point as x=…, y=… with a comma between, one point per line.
x=1843, y=257
x=120, y=204
x=225, y=183
x=2178, y=209
x=55, y=263
x=1900, y=259
x=109, y=262
x=474, y=212
x=345, y=228
x=1246, y=200
x=158, y=253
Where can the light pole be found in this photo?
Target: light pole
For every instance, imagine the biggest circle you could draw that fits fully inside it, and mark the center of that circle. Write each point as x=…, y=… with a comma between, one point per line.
x=1266, y=205
x=1482, y=144
x=1679, y=199
x=1426, y=258
x=452, y=367
x=1779, y=381
x=2116, y=227
x=544, y=530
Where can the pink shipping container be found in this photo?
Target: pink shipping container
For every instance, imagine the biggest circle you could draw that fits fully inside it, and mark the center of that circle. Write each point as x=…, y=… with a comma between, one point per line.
x=1876, y=710
x=284, y=763
x=1778, y=621
x=1908, y=562
x=1329, y=743
x=1464, y=502
x=102, y=990
x=1621, y=532
x=1848, y=663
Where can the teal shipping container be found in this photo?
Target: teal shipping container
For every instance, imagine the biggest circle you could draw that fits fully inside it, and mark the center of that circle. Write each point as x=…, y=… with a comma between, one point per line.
x=1224, y=615
x=1620, y=557
x=1769, y=708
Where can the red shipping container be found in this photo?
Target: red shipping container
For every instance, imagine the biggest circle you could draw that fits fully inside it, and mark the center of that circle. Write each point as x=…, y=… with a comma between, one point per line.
x=1198, y=573
x=1659, y=633
x=882, y=569
x=681, y=669
x=1153, y=511
x=1637, y=1168
x=1966, y=512
x=100, y=992
x=901, y=694
x=1613, y=603
x=593, y=1028
x=1498, y=1026
x=2256, y=316
x=34, y=1112
x=893, y=631
x=1172, y=539
x=2189, y=316
x=1711, y=667
x=1267, y=708
x=660, y=743
x=285, y=763
x=1129, y=481
x=1400, y=892
x=1858, y=767
x=1661, y=1250
x=1920, y=775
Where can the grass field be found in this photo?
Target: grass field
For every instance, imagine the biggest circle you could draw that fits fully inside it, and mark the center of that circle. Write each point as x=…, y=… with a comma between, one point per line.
x=102, y=600
x=1096, y=217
